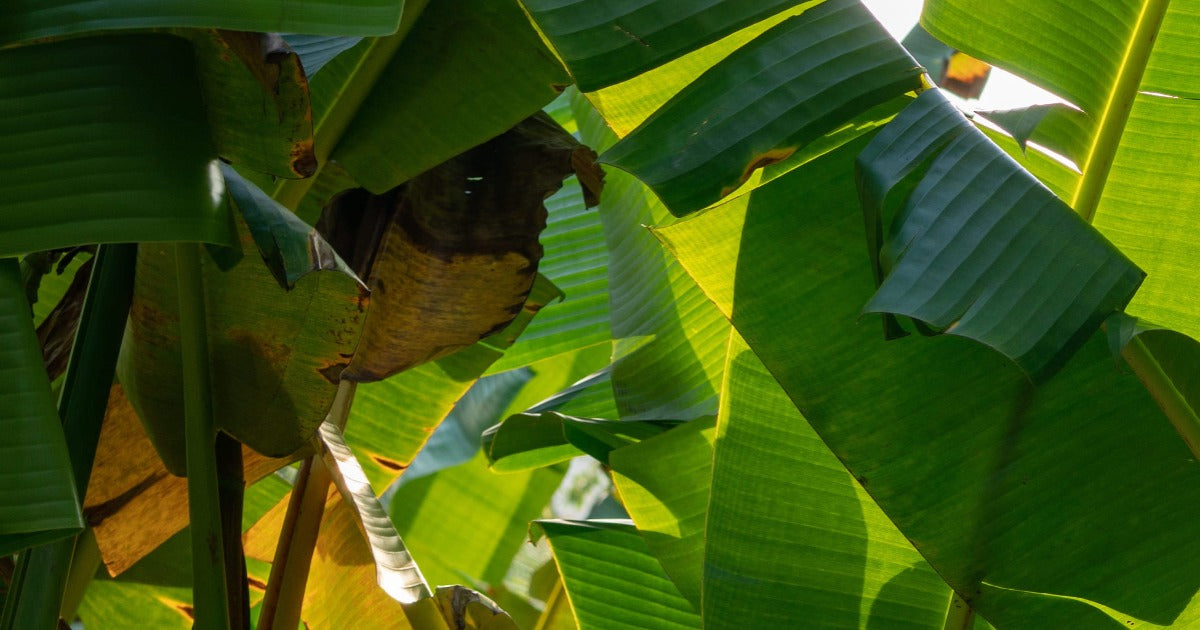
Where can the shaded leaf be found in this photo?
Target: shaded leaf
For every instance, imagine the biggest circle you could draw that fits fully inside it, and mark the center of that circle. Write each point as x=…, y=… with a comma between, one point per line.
x=56, y=333
x=392, y=419
x=317, y=50
x=1056, y=126
x=289, y=247
x=25, y=20
x=38, y=503
x=791, y=85
x=603, y=43
x=534, y=440
x=113, y=166
x=256, y=95
x=576, y=261
x=443, y=92
x=456, y=439
x=276, y=355
x=786, y=522
x=664, y=482
x=338, y=93
x=1144, y=203
x=668, y=356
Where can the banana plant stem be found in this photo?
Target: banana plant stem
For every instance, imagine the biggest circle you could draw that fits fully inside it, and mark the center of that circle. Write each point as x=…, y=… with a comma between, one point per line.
x=204, y=507
x=284, y=598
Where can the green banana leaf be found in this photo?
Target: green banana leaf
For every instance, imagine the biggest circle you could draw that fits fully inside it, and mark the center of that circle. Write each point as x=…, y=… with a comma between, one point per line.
x=38, y=502
x=667, y=353
x=443, y=92
x=465, y=523
x=338, y=92
x=980, y=249
x=576, y=260
x=1043, y=507
x=789, y=86
x=256, y=96
x=603, y=43
x=611, y=579
x=392, y=419
x=91, y=159
x=536, y=439
x=1156, y=151
x=27, y=20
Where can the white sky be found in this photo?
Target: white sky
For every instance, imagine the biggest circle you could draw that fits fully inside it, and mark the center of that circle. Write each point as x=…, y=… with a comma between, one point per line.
x=1003, y=90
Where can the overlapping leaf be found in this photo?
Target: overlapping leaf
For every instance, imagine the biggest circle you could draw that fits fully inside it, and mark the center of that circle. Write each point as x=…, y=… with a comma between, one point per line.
x=603, y=43
x=1147, y=194
x=133, y=503
x=457, y=248
x=667, y=355
x=980, y=248
x=443, y=92
x=256, y=96
x=789, y=86
x=985, y=482
x=272, y=383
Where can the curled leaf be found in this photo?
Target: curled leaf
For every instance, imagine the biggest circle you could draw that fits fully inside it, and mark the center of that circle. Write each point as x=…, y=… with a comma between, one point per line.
x=451, y=256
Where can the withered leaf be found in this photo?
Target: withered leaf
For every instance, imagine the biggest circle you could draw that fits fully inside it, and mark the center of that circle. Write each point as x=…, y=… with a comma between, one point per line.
x=133, y=503
x=451, y=255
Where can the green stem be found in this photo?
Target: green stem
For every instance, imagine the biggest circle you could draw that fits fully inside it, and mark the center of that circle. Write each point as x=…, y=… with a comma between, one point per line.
x=204, y=506
x=1116, y=110
x=959, y=615
x=38, y=595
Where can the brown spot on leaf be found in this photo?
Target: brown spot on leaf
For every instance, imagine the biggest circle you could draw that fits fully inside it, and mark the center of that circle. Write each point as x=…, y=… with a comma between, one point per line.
x=304, y=160
x=182, y=608
x=761, y=160
x=256, y=583
x=333, y=372
x=387, y=463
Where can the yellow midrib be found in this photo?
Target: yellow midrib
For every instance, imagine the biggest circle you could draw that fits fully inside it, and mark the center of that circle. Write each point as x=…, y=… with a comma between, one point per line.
x=1116, y=109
